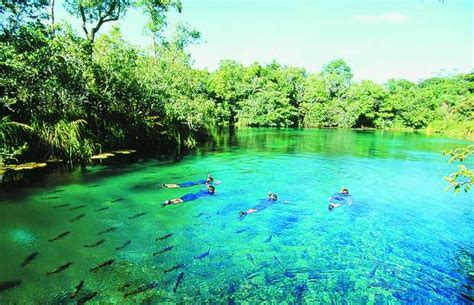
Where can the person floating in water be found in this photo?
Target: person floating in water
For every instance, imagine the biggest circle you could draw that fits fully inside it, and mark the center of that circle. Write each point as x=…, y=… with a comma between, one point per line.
x=339, y=199
x=208, y=181
x=190, y=197
x=264, y=203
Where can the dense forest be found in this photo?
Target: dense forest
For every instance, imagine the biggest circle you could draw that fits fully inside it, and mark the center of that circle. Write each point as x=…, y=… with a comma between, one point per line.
x=66, y=96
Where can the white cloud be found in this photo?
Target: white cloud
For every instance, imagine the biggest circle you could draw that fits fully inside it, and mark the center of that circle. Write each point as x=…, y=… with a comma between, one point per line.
x=391, y=17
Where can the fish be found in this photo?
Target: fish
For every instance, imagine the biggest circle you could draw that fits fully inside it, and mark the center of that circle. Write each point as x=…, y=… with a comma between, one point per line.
x=137, y=215
x=179, y=279
x=175, y=267
x=59, y=236
x=203, y=255
x=250, y=258
x=9, y=284
x=77, y=289
x=372, y=272
x=241, y=230
x=128, y=242
x=77, y=217
x=200, y=214
x=56, y=191
x=61, y=206
x=111, y=229
x=103, y=264
x=141, y=289
x=60, y=268
x=102, y=209
x=29, y=258
x=99, y=242
x=87, y=298
x=50, y=197
x=289, y=274
x=93, y=185
x=298, y=293
x=166, y=249
x=269, y=239
x=124, y=286
x=117, y=200
x=77, y=207
x=165, y=236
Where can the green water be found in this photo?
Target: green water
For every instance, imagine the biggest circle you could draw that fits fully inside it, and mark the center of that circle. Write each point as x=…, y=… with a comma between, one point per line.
x=404, y=240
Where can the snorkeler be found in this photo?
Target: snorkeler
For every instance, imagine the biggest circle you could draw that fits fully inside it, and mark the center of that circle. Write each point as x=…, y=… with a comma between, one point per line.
x=339, y=199
x=190, y=197
x=208, y=181
x=264, y=203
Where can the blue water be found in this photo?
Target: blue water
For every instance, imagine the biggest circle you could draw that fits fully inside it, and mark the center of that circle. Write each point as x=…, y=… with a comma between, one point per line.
x=404, y=240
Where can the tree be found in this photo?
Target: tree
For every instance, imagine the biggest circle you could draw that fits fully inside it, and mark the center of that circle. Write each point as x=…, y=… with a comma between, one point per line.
x=338, y=76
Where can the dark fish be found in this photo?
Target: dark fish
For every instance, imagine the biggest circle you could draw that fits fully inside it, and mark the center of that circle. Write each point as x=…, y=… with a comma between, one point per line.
x=166, y=249
x=94, y=185
x=289, y=274
x=61, y=206
x=203, y=255
x=372, y=272
x=59, y=236
x=124, y=286
x=29, y=258
x=241, y=230
x=128, y=242
x=77, y=207
x=165, y=236
x=200, y=214
x=102, y=209
x=298, y=293
x=117, y=200
x=141, y=289
x=137, y=215
x=50, y=197
x=56, y=191
x=77, y=217
x=111, y=229
x=77, y=289
x=103, y=264
x=175, y=267
x=250, y=258
x=179, y=279
x=99, y=242
x=87, y=298
x=9, y=284
x=60, y=268
x=269, y=239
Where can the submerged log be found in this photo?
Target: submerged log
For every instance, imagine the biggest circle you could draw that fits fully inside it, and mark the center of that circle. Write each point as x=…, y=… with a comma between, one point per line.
x=102, y=156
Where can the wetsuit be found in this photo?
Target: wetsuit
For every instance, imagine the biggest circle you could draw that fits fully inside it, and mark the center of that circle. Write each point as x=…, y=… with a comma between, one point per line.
x=190, y=197
x=264, y=203
x=340, y=198
x=192, y=183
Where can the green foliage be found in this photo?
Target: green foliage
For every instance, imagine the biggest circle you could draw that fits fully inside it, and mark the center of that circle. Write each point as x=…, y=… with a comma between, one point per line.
x=463, y=178
x=67, y=97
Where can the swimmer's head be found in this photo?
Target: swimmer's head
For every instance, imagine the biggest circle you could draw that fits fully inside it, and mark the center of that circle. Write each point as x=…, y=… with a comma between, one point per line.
x=211, y=189
x=331, y=207
x=345, y=191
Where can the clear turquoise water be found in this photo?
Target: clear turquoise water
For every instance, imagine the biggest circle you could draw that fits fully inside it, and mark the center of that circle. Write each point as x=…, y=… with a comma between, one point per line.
x=404, y=240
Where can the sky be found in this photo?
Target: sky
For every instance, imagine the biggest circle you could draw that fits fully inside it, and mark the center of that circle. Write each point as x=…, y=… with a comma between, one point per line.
x=379, y=39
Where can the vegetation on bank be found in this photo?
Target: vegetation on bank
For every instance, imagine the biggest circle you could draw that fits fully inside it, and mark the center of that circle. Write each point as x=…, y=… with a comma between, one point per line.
x=68, y=97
